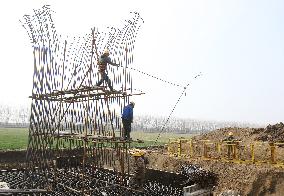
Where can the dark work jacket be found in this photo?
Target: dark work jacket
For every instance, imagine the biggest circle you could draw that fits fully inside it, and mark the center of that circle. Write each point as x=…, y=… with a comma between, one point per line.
x=103, y=61
x=229, y=139
x=139, y=167
x=128, y=113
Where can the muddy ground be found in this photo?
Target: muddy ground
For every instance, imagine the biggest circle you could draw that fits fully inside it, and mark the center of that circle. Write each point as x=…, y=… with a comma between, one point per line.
x=244, y=179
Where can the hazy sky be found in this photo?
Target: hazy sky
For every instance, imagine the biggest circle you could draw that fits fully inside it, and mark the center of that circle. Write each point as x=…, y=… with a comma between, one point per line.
x=238, y=45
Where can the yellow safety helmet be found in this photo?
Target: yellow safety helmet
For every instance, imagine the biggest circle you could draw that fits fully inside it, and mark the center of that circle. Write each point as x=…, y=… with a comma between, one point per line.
x=106, y=51
x=138, y=153
x=142, y=152
x=231, y=133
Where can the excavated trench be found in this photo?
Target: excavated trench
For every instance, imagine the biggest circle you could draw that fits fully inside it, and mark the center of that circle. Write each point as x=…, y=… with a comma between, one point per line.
x=103, y=182
x=73, y=180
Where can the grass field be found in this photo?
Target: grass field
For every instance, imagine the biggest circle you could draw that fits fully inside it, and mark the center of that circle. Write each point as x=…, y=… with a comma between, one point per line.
x=17, y=138
x=13, y=138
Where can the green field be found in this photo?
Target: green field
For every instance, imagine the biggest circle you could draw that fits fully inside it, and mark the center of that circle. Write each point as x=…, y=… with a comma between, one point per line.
x=13, y=138
x=17, y=138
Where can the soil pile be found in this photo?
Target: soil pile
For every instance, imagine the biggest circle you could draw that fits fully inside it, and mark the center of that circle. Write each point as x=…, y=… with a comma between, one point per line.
x=272, y=133
x=246, y=135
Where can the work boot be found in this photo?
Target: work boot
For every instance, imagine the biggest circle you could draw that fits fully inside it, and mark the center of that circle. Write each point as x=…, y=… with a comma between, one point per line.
x=128, y=136
x=115, y=91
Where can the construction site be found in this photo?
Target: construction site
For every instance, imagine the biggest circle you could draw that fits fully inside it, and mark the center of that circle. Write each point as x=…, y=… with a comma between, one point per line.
x=78, y=145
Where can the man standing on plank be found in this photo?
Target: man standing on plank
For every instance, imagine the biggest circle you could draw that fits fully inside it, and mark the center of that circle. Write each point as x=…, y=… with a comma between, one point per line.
x=104, y=60
x=127, y=119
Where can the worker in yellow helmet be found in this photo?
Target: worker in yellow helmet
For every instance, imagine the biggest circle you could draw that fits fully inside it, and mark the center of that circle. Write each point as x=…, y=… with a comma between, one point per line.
x=140, y=162
x=230, y=142
x=104, y=60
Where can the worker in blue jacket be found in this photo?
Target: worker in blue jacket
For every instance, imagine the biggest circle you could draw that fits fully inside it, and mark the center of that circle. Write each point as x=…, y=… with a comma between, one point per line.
x=127, y=119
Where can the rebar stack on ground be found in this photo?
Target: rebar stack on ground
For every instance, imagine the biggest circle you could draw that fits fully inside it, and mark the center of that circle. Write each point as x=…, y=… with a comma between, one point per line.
x=69, y=182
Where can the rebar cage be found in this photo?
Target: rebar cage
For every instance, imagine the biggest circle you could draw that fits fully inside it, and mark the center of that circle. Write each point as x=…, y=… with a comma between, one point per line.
x=73, y=122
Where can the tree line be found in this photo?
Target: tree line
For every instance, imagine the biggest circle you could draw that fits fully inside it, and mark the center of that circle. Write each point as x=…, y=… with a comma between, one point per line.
x=150, y=123
x=14, y=116
x=19, y=117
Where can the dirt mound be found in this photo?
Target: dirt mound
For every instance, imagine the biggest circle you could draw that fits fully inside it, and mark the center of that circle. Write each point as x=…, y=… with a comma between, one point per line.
x=272, y=133
x=244, y=134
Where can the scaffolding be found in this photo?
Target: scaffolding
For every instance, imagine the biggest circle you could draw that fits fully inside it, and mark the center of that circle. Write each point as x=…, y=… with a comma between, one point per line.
x=73, y=122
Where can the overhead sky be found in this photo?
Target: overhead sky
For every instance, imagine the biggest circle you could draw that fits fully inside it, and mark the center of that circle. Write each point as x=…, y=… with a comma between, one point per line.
x=238, y=46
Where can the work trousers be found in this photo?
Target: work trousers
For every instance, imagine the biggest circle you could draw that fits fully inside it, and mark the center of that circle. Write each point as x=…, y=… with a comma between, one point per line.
x=137, y=181
x=104, y=77
x=126, y=128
